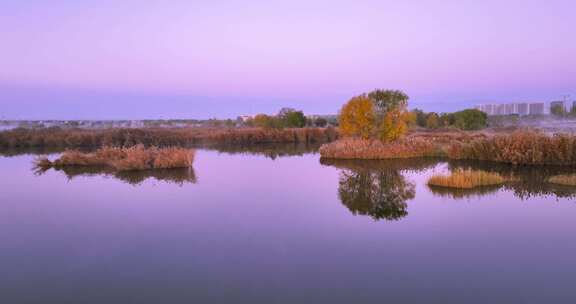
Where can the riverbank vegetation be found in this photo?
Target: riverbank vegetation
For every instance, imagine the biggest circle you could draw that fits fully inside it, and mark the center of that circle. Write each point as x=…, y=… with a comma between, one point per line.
x=519, y=148
x=160, y=137
x=357, y=148
x=383, y=115
x=523, y=147
x=124, y=159
x=378, y=126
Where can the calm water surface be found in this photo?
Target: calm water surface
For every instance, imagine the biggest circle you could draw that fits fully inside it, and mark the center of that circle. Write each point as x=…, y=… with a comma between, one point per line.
x=257, y=228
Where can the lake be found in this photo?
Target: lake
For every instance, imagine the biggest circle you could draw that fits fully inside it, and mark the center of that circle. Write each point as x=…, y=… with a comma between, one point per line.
x=270, y=227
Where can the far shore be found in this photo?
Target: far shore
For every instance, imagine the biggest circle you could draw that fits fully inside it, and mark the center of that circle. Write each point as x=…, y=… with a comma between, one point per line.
x=161, y=137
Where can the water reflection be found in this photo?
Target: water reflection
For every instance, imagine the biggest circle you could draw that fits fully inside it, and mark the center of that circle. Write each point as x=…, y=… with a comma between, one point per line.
x=13, y=152
x=272, y=150
x=456, y=193
x=377, y=188
x=527, y=181
x=179, y=176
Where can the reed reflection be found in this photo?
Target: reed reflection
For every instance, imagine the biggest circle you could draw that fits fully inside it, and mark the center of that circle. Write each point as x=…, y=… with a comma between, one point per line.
x=178, y=176
x=377, y=188
x=525, y=182
x=269, y=150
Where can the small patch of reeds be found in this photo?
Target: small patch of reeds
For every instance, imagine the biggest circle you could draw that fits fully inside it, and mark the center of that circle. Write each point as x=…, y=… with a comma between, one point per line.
x=467, y=179
x=123, y=159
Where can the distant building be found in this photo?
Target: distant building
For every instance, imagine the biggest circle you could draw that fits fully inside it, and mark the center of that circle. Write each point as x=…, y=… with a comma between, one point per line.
x=536, y=108
x=522, y=109
x=487, y=108
x=511, y=108
x=500, y=109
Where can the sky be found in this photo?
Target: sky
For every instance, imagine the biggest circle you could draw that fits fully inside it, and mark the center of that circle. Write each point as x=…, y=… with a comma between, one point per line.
x=117, y=59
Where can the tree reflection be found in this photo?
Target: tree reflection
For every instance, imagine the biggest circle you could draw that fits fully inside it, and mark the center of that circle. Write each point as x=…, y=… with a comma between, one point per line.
x=381, y=195
x=377, y=188
x=178, y=176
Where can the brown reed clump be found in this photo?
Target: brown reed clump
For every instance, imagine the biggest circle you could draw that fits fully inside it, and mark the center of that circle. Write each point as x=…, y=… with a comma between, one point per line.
x=355, y=148
x=42, y=163
x=566, y=180
x=467, y=179
x=122, y=159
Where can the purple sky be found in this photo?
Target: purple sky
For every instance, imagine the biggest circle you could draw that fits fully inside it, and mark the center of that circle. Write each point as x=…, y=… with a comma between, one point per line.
x=199, y=59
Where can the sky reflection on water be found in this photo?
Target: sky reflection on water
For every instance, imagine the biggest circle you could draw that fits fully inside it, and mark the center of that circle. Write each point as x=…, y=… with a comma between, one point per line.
x=284, y=230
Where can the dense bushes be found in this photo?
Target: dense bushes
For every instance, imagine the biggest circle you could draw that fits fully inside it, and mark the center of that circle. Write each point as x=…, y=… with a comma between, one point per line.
x=68, y=138
x=286, y=118
x=469, y=119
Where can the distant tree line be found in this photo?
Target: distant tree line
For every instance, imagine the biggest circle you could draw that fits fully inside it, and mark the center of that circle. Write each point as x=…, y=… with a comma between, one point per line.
x=469, y=119
x=382, y=114
x=286, y=118
x=560, y=111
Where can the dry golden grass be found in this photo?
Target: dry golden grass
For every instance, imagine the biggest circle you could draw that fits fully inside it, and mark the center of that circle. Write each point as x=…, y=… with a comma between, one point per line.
x=354, y=148
x=466, y=179
x=566, y=180
x=520, y=148
x=123, y=159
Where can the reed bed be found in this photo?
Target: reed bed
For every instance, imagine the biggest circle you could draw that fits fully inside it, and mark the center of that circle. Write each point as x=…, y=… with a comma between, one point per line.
x=124, y=159
x=467, y=179
x=565, y=180
x=519, y=148
x=160, y=137
x=354, y=148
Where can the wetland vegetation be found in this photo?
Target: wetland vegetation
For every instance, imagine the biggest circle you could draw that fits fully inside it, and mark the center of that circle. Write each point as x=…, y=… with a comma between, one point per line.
x=123, y=159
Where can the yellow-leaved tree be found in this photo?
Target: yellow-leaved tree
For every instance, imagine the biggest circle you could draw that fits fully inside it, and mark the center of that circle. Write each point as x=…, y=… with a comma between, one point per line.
x=392, y=117
x=357, y=117
x=394, y=125
x=379, y=114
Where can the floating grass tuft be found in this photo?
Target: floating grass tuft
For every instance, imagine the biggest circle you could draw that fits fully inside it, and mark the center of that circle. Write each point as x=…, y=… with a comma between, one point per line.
x=467, y=179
